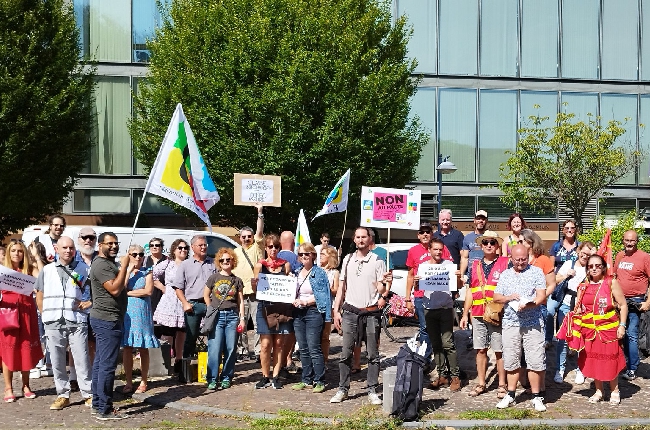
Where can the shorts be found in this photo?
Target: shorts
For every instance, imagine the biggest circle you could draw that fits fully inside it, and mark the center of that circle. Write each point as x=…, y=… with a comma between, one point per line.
x=486, y=335
x=532, y=339
x=263, y=327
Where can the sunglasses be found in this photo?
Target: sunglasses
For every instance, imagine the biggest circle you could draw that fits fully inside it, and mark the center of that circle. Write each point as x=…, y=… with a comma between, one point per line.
x=183, y=248
x=594, y=266
x=248, y=236
x=137, y=254
x=273, y=246
x=88, y=237
x=424, y=232
x=304, y=254
x=111, y=243
x=58, y=225
x=489, y=242
x=154, y=245
x=225, y=260
x=569, y=228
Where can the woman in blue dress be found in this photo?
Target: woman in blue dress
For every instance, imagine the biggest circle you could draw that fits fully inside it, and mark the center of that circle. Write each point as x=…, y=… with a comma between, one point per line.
x=138, y=321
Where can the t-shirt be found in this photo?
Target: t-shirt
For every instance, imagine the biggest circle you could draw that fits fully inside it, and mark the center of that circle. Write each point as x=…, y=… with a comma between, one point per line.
x=560, y=254
x=525, y=284
x=382, y=254
x=360, y=275
x=632, y=272
x=292, y=258
x=475, y=250
x=439, y=299
x=416, y=256
x=572, y=284
x=244, y=270
x=453, y=241
x=544, y=263
x=105, y=306
x=224, y=288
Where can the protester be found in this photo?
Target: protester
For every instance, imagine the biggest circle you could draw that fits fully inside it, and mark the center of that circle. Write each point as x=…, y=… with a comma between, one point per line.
x=522, y=290
x=324, y=244
x=329, y=261
x=452, y=238
x=156, y=246
x=565, y=249
x=52, y=234
x=515, y=224
x=169, y=314
x=596, y=318
x=471, y=247
x=312, y=308
x=3, y=253
x=108, y=289
x=20, y=349
x=271, y=339
x=224, y=292
x=63, y=297
x=39, y=260
x=288, y=243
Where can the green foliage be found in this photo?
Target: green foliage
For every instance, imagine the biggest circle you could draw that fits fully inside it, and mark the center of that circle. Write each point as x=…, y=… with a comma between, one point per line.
x=45, y=112
x=627, y=221
x=295, y=88
x=499, y=414
x=570, y=161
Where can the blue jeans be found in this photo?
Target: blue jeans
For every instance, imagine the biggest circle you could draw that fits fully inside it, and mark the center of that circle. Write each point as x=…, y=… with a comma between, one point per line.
x=551, y=309
x=108, y=337
x=192, y=325
x=308, y=326
x=562, y=349
x=631, y=339
x=223, y=335
x=422, y=335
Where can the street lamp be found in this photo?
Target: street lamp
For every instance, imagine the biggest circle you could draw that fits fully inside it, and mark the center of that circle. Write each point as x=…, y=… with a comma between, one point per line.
x=444, y=167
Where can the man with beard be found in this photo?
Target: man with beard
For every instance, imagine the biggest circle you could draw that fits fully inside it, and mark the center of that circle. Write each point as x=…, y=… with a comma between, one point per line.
x=86, y=242
x=51, y=236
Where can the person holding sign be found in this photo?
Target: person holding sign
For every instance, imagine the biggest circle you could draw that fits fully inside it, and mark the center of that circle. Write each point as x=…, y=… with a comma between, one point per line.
x=271, y=339
x=437, y=278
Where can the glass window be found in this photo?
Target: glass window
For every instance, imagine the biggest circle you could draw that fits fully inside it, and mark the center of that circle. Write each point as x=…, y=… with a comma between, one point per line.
x=102, y=201
x=621, y=107
x=461, y=206
x=152, y=204
x=138, y=167
x=531, y=213
x=494, y=207
x=146, y=18
x=458, y=37
x=620, y=39
x=423, y=105
x=422, y=15
x=644, y=209
x=644, y=141
x=613, y=207
x=581, y=104
x=497, y=131
x=457, y=132
x=110, y=30
x=645, y=40
x=580, y=38
x=82, y=18
x=539, y=34
x=547, y=102
x=111, y=150
x=499, y=37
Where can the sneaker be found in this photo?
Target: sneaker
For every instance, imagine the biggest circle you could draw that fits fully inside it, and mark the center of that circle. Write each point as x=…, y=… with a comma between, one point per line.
x=318, y=388
x=225, y=384
x=630, y=375
x=580, y=378
x=300, y=386
x=506, y=402
x=47, y=372
x=35, y=373
x=558, y=378
x=112, y=415
x=60, y=403
x=212, y=385
x=339, y=396
x=263, y=383
x=373, y=398
x=89, y=402
x=538, y=404
x=292, y=368
x=275, y=383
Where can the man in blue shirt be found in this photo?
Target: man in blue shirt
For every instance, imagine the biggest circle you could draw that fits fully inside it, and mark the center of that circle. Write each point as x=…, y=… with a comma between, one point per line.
x=471, y=250
x=452, y=238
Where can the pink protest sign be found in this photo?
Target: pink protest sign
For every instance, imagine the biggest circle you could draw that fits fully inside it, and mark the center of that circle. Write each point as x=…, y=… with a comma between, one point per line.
x=387, y=206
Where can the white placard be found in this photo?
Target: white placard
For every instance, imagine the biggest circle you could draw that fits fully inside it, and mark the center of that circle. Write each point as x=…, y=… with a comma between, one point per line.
x=17, y=282
x=276, y=288
x=437, y=277
x=257, y=190
x=390, y=208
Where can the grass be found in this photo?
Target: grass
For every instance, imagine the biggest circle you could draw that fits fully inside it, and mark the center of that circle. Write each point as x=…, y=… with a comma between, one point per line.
x=499, y=414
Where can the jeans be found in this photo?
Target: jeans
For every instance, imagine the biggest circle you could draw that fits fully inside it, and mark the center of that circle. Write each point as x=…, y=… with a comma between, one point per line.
x=422, y=334
x=373, y=330
x=308, y=326
x=631, y=339
x=77, y=339
x=562, y=349
x=551, y=309
x=108, y=337
x=440, y=325
x=192, y=325
x=250, y=311
x=41, y=332
x=223, y=335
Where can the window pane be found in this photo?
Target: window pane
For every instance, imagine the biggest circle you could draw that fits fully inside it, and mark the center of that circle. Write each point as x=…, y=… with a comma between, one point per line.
x=497, y=131
x=461, y=206
x=111, y=151
x=547, y=102
x=499, y=37
x=102, y=201
x=619, y=107
x=620, y=39
x=138, y=167
x=539, y=32
x=152, y=204
x=423, y=105
x=146, y=18
x=458, y=36
x=422, y=15
x=580, y=38
x=457, y=132
x=110, y=30
x=494, y=207
x=613, y=207
x=581, y=104
x=645, y=40
x=644, y=141
x=529, y=213
x=82, y=18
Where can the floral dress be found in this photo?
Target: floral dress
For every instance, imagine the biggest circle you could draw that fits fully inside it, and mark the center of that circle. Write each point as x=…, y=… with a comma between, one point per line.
x=138, y=321
x=169, y=312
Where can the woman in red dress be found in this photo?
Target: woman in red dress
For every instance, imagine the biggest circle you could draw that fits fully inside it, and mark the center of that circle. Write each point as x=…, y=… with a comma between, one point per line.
x=20, y=349
x=595, y=329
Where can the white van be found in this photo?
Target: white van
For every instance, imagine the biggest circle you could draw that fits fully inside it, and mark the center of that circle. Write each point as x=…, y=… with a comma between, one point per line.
x=141, y=237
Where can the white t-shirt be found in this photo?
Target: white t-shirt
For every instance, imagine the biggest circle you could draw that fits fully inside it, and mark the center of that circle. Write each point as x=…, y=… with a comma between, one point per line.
x=581, y=272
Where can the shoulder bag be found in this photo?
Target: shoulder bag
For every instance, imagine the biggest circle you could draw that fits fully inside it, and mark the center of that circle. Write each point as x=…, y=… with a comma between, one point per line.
x=493, y=312
x=561, y=289
x=211, y=314
x=278, y=313
x=8, y=317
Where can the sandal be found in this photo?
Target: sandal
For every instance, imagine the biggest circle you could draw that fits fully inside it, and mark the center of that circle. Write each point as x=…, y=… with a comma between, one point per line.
x=502, y=391
x=141, y=388
x=27, y=392
x=477, y=391
x=127, y=389
x=10, y=398
x=615, y=398
x=597, y=397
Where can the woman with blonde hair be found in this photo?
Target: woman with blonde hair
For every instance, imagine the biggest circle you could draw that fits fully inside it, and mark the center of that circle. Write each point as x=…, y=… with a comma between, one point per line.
x=20, y=348
x=329, y=261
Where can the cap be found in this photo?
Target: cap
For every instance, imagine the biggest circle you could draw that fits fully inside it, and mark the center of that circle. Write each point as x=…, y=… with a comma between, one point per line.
x=480, y=213
x=85, y=231
x=425, y=225
x=489, y=234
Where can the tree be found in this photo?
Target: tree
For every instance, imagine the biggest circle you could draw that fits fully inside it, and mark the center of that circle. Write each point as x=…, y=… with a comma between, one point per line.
x=45, y=111
x=570, y=161
x=627, y=221
x=295, y=88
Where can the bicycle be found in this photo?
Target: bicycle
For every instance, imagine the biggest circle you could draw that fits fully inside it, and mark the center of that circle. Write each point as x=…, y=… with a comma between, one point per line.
x=398, y=323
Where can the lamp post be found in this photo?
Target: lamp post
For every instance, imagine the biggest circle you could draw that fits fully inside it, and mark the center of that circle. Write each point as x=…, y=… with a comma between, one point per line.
x=444, y=167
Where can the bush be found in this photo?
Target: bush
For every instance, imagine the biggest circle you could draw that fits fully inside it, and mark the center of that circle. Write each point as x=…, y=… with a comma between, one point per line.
x=627, y=221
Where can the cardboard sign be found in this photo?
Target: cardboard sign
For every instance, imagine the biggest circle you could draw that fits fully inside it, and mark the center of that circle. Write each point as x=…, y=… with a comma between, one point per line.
x=437, y=277
x=276, y=288
x=390, y=208
x=253, y=189
x=17, y=282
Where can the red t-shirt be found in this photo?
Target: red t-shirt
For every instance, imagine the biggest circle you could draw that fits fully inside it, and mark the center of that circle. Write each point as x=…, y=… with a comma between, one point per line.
x=416, y=256
x=632, y=272
x=544, y=263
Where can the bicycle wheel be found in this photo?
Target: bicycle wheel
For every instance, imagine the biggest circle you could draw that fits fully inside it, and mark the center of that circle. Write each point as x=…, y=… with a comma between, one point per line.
x=398, y=329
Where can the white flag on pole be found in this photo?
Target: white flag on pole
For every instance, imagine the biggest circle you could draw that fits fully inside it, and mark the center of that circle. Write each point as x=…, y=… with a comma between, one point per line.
x=302, y=232
x=337, y=200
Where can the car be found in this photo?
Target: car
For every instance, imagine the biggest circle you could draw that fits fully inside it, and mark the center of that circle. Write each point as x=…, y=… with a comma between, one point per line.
x=397, y=260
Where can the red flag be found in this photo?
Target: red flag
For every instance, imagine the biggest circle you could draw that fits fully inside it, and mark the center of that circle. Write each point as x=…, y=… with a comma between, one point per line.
x=605, y=251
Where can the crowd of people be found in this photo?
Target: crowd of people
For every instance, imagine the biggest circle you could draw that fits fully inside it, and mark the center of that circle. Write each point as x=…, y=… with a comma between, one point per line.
x=88, y=305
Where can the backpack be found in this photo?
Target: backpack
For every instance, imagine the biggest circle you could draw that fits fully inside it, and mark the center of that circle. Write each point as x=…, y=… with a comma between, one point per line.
x=644, y=333
x=407, y=393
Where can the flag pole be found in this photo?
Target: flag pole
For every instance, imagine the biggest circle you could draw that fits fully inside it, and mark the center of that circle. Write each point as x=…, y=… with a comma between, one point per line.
x=388, y=251
x=345, y=220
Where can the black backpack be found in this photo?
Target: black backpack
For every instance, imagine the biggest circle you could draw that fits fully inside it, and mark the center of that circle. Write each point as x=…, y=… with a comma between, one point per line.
x=407, y=393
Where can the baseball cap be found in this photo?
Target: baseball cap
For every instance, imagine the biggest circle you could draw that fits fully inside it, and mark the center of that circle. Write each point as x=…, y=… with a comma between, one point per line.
x=480, y=213
x=425, y=225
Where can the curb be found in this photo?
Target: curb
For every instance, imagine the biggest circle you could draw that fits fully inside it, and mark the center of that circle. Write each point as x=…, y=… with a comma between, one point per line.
x=561, y=422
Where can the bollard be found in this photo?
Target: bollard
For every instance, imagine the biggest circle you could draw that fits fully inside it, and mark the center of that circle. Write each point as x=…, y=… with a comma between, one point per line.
x=160, y=360
x=389, y=376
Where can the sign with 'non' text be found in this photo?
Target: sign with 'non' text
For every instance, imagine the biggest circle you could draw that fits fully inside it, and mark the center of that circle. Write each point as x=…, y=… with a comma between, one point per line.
x=390, y=208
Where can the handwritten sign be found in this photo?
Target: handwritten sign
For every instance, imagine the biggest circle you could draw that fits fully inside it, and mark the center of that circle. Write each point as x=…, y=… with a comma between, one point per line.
x=276, y=288
x=437, y=277
x=390, y=208
x=253, y=189
x=17, y=282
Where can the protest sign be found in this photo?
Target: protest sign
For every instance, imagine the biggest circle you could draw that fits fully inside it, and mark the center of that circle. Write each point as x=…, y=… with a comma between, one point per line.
x=253, y=189
x=437, y=277
x=17, y=282
x=390, y=208
x=276, y=288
